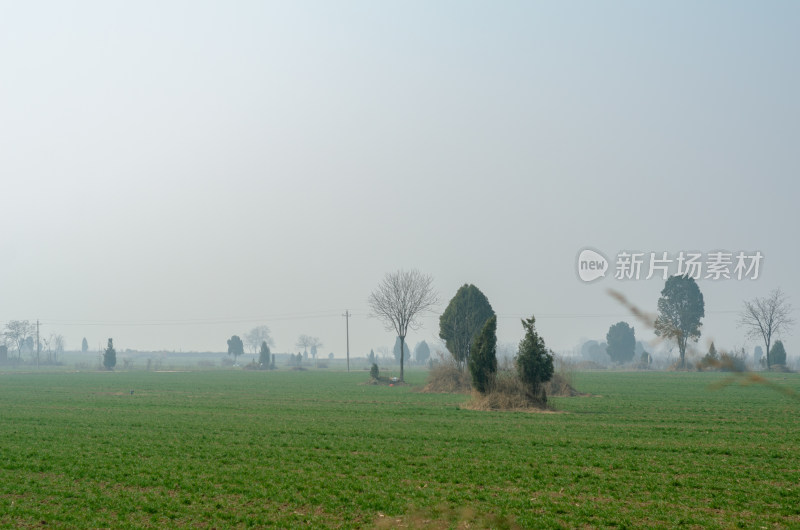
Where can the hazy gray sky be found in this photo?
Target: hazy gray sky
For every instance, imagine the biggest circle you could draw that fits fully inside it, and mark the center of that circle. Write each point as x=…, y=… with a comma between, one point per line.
x=177, y=172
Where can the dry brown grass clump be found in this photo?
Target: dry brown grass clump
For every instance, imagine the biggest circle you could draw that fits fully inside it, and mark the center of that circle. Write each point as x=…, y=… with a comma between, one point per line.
x=507, y=392
x=446, y=377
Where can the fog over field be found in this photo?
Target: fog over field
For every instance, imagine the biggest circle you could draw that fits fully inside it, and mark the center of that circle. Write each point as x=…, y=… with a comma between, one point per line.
x=177, y=172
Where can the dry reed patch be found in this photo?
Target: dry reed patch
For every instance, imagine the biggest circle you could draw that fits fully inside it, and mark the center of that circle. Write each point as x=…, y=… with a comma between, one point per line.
x=496, y=401
x=447, y=378
x=508, y=393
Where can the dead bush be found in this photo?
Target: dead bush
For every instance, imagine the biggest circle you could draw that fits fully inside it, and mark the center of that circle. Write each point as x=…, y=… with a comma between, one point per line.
x=448, y=378
x=507, y=392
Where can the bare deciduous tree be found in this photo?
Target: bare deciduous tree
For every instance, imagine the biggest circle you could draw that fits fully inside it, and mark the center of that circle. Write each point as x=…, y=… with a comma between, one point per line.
x=59, y=344
x=399, y=300
x=304, y=341
x=308, y=342
x=256, y=336
x=316, y=344
x=383, y=351
x=17, y=332
x=764, y=318
x=54, y=346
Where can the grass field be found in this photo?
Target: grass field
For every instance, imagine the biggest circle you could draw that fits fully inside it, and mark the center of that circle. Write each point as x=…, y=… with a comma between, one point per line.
x=285, y=449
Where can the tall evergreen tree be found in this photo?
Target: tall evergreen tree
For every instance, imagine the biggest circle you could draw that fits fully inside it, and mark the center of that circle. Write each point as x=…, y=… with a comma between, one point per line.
x=422, y=352
x=396, y=350
x=462, y=320
x=534, y=362
x=264, y=356
x=777, y=355
x=483, y=356
x=110, y=356
x=84, y=345
x=235, y=347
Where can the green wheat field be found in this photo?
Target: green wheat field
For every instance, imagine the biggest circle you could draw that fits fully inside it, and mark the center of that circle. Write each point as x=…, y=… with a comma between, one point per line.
x=233, y=448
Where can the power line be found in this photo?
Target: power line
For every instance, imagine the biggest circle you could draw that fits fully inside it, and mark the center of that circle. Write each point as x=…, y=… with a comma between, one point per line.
x=310, y=315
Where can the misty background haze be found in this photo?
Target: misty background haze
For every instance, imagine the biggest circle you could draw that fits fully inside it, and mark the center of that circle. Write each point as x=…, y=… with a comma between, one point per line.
x=177, y=172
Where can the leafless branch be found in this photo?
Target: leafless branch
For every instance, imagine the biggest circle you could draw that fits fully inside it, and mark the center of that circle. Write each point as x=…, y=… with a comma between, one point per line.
x=764, y=318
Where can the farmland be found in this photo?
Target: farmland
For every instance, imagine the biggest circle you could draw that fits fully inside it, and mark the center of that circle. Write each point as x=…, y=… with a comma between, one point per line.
x=231, y=448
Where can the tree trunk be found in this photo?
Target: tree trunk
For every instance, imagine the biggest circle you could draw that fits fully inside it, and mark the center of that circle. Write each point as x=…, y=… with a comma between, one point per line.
x=402, y=354
x=769, y=367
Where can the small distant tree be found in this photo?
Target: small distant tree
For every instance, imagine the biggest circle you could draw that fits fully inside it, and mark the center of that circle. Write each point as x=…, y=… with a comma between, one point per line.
x=58, y=343
x=621, y=342
x=777, y=355
x=733, y=361
x=316, y=344
x=256, y=336
x=374, y=372
x=764, y=318
x=18, y=333
x=711, y=359
x=712, y=352
x=296, y=360
x=308, y=342
x=235, y=347
x=110, y=356
x=264, y=356
x=645, y=358
x=371, y=359
x=594, y=351
x=534, y=362
x=330, y=356
x=422, y=352
x=758, y=355
x=84, y=345
x=483, y=356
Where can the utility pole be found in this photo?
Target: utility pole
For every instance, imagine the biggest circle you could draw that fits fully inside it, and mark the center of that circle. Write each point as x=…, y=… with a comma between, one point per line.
x=347, y=324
